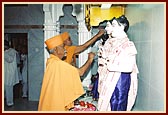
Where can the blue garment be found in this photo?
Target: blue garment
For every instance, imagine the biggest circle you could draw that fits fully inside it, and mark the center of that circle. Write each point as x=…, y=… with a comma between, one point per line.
x=95, y=88
x=119, y=97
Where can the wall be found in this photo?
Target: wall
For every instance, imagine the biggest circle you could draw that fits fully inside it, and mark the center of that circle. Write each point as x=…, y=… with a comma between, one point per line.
x=147, y=30
x=68, y=23
x=29, y=16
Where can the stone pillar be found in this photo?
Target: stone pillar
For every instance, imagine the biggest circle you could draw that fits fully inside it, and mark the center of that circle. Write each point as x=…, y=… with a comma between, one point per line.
x=51, y=23
x=83, y=36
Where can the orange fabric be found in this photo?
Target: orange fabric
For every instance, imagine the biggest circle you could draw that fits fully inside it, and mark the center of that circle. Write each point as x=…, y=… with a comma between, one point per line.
x=70, y=52
x=65, y=35
x=59, y=89
x=54, y=41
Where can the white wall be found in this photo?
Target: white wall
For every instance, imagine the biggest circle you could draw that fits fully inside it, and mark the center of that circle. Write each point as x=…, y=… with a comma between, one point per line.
x=147, y=30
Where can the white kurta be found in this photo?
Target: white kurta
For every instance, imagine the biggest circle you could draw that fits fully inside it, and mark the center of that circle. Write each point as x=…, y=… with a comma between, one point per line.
x=10, y=74
x=10, y=67
x=117, y=55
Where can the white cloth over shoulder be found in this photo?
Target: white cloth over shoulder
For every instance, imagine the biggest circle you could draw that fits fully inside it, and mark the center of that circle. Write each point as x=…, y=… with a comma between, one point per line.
x=117, y=55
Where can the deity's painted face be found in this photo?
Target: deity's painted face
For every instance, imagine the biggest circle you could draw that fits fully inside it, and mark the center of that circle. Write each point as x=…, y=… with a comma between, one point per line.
x=114, y=28
x=108, y=28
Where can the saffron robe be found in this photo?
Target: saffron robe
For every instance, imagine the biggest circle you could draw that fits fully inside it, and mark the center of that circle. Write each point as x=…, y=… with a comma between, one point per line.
x=61, y=86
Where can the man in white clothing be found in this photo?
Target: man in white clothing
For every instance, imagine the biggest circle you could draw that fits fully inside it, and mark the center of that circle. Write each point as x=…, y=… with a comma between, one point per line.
x=10, y=72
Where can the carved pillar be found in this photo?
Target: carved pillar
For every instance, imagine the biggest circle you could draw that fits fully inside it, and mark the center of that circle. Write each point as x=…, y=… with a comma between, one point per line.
x=83, y=36
x=51, y=23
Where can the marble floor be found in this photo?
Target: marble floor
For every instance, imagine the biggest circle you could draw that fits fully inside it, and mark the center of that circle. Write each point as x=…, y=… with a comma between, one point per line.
x=22, y=104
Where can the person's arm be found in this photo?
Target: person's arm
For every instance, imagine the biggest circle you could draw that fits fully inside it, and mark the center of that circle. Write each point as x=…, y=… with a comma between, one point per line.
x=81, y=48
x=85, y=67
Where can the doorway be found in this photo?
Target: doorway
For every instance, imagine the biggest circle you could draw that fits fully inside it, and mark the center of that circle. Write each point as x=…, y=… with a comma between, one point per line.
x=19, y=41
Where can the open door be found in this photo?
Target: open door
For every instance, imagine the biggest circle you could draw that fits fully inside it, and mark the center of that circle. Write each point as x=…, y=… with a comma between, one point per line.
x=19, y=42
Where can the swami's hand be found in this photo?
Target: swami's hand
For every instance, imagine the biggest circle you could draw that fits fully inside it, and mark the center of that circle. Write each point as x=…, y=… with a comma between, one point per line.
x=91, y=55
x=101, y=32
x=83, y=69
